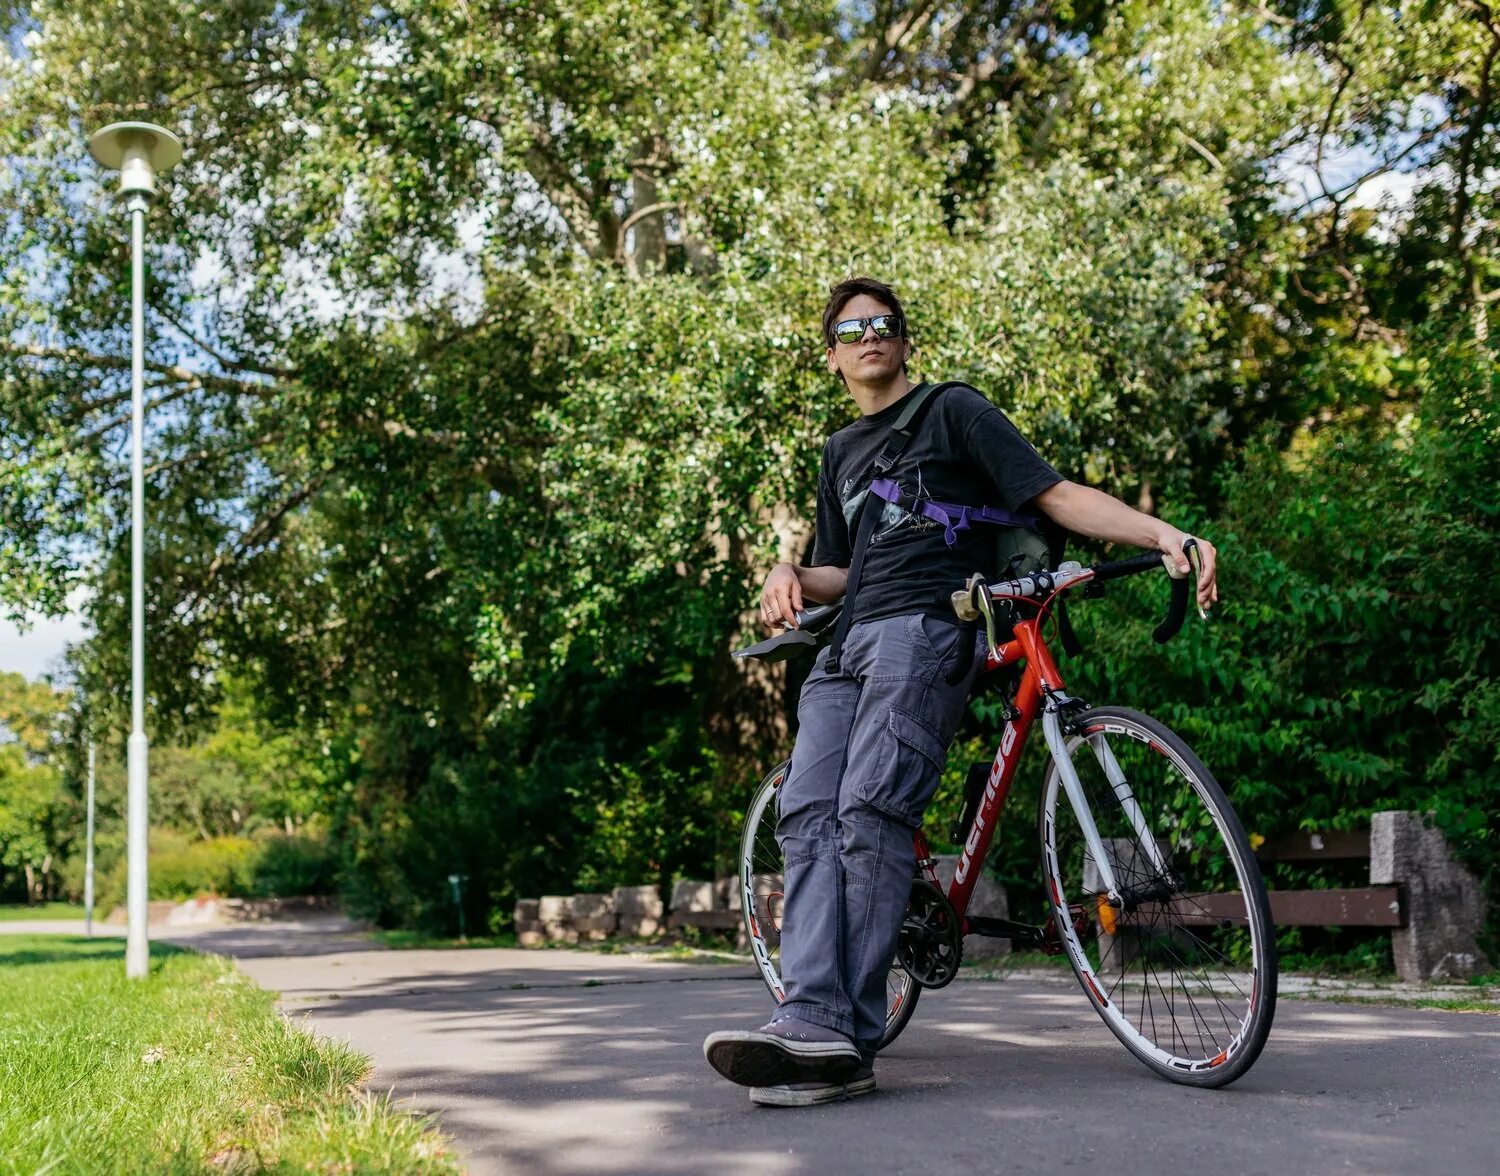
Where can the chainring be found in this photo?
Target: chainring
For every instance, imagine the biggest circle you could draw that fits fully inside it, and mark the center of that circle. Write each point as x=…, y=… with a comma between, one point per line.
x=932, y=943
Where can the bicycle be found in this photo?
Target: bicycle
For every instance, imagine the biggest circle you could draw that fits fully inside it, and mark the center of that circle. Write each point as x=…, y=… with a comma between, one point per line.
x=1152, y=890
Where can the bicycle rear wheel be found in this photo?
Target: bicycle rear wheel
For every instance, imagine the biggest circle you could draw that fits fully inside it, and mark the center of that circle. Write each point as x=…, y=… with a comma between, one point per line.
x=1183, y=969
x=760, y=904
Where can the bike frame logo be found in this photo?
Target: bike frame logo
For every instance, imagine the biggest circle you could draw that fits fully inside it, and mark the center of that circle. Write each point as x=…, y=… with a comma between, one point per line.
x=991, y=787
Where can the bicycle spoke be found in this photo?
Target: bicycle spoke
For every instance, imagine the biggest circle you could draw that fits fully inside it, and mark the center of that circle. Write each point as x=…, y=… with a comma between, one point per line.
x=1182, y=967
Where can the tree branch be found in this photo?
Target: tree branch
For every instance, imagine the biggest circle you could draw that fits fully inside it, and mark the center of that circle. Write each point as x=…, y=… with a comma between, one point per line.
x=186, y=459
x=637, y=215
x=262, y=530
x=232, y=365
x=121, y=363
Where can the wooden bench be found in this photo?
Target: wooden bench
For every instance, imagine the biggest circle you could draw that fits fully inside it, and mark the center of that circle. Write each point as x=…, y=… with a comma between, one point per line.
x=1364, y=906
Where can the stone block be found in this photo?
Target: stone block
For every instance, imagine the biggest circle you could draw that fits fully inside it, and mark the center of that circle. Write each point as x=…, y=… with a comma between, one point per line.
x=593, y=906
x=555, y=908
x=1445, y=905
x=988, y=900
x=196, y=912
x=600, y=925
x=638, y=901
x=638, y=926
x=530, y=938
x=727, y=894
x=560, y=932
x=707, y=920
x=692, y=897
x=528, y=910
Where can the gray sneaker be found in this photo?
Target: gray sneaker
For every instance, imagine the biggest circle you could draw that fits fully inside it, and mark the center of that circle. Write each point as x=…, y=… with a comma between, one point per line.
x=812, y=1094
x=785, y=1051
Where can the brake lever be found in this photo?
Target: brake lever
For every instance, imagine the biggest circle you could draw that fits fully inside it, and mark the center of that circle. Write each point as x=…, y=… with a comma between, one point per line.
x=1195, y=560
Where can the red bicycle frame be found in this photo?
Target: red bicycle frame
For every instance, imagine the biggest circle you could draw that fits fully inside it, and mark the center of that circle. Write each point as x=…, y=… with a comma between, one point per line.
x=1040, y=673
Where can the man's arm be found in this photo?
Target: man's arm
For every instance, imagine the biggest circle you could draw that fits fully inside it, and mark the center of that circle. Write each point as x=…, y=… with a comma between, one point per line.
x=1094, y=513
x=788, y=586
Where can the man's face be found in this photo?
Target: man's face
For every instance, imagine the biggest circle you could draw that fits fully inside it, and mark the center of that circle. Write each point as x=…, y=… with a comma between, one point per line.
x=872, y=360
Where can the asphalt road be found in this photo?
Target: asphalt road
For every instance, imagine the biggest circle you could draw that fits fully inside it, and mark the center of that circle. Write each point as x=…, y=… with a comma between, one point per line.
x=544, y=1062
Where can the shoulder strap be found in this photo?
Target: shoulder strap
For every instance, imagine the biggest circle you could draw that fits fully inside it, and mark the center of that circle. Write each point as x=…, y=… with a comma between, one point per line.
x=906, y=425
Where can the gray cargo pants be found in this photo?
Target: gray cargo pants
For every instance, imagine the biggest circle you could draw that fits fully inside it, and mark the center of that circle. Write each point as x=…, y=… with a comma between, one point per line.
x=869, y=752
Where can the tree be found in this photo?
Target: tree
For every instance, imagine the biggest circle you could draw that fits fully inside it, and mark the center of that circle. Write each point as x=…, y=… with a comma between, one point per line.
x=35, y=810
x=485, y=376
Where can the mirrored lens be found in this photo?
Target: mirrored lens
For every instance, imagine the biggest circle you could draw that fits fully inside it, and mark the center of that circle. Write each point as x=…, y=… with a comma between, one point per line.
x=887, y=326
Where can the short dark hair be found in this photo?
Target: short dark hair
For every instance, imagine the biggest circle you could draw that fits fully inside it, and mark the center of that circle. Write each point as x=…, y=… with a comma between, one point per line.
x=840, y=295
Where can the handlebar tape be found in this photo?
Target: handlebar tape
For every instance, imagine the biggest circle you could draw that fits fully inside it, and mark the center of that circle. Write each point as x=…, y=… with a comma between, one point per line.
x=1182, y=585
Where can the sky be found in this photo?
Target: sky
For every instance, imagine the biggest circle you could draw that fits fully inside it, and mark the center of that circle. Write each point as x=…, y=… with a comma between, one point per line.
x=39, y=649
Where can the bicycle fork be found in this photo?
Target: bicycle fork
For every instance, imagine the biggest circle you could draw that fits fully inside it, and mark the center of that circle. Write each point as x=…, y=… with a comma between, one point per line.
x=1057, y=745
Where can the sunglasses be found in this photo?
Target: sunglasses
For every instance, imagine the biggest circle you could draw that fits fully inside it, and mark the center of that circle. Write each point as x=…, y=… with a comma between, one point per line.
x=887, y=326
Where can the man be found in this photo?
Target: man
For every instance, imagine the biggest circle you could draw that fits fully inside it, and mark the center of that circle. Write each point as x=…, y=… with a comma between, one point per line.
x=874, y=728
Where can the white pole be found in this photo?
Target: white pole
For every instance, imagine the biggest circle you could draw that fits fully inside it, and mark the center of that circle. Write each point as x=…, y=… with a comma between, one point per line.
x=137, y=947
x=139, y=150
x=88, y=854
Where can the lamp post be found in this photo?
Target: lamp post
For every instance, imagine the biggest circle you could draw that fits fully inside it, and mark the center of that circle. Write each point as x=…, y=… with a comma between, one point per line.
x=139, y=151
x=88, y=855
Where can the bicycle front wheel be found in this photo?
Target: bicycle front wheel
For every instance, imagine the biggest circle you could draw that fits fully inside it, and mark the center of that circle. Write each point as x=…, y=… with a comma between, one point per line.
x=761, y=898
x=1182, y=964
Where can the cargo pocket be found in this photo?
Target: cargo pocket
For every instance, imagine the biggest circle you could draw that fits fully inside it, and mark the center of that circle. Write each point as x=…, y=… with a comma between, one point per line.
x=907, y=770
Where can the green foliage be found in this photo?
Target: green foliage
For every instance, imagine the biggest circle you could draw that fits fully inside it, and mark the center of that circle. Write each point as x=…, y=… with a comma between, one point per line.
x=485, y=371
x=271, y=865
x=36, y=816
x=1351, y=664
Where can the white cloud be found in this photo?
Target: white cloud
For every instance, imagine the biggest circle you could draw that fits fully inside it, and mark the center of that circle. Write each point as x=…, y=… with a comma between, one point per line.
x=39, y=649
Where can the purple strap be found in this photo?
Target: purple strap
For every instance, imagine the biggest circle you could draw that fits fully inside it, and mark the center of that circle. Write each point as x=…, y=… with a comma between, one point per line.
x=955, y=518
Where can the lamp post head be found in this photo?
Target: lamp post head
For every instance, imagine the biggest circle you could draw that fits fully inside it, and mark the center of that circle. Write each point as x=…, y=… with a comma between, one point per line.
x=139, y=150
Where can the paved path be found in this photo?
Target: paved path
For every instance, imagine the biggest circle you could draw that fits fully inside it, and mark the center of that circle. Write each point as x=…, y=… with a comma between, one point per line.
x=552, y=1062
x=567, y=1062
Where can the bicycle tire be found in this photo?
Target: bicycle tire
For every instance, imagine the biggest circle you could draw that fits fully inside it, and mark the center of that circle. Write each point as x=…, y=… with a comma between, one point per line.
x=1168, y=976
x=760, y=887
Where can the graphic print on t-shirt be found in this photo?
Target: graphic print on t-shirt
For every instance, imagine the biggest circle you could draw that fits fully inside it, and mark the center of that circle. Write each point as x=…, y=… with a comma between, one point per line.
x=892, y=515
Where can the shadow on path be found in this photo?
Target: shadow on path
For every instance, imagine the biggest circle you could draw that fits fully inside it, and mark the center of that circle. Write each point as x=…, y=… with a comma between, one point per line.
x=562, y=1062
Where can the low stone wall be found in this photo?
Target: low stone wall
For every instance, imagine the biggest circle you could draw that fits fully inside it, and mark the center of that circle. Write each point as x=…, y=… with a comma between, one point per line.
x=638, y=912
x=635, y=912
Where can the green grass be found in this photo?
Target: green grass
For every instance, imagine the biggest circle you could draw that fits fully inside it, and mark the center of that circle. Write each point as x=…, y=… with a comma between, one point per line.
x=421, y=941
x=191, y=1070
x=20, y=912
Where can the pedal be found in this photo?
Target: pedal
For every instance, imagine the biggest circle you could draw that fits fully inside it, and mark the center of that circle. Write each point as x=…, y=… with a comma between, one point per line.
x=1052, y=942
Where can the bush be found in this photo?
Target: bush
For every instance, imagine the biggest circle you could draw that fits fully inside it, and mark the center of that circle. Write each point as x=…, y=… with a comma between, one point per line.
x=273, y=866
x=1352, y=666
x=286, y=866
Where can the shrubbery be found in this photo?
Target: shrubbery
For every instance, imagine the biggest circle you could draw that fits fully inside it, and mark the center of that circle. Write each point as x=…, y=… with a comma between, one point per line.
x=1351, y=665
x=275, y=865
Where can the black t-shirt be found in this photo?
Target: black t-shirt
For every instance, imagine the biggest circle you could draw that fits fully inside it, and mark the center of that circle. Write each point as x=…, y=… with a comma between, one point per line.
x=965, y=451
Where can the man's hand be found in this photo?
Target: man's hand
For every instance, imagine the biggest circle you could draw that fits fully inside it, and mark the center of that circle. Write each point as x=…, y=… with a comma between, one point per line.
x=1170, y=541
x=781, y=598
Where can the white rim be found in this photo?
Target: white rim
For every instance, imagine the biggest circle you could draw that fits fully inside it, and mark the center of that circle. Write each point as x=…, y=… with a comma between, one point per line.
x=1089, y=978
